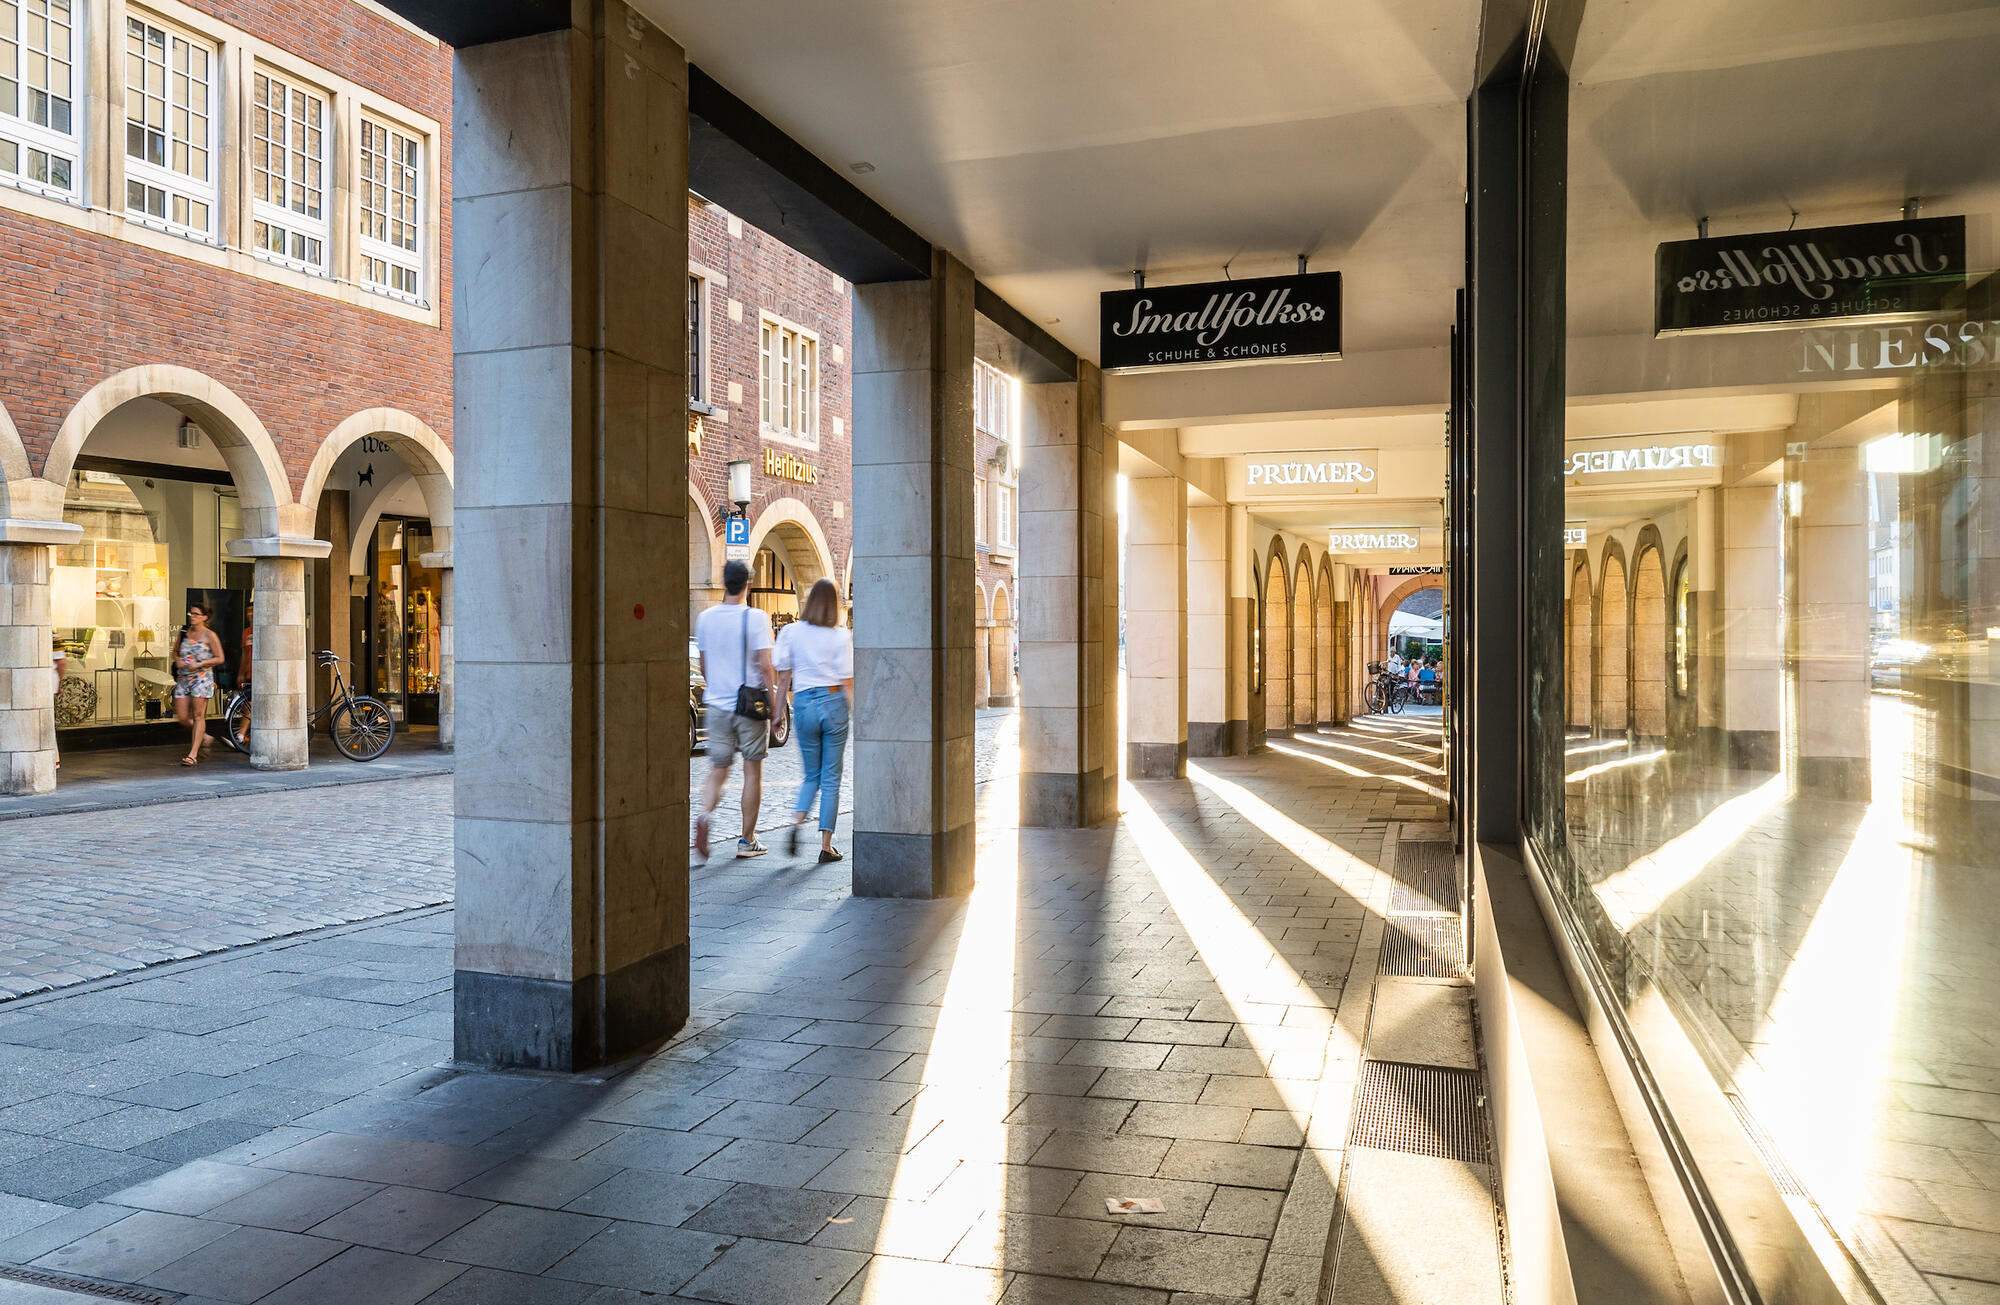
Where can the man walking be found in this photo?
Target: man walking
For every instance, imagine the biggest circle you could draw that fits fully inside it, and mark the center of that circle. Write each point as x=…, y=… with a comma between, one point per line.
x=734, y=639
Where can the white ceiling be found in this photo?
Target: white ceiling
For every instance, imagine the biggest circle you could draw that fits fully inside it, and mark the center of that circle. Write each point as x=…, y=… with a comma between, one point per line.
x=1056, y=145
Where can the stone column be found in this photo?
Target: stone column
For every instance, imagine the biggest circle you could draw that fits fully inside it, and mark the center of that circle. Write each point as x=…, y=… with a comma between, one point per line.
x=1156, y=628
x=30, y=521
x=1209, y=631
x=913, y=631
x=1246, y=638
x=1069, y=510
x=330, y=587
x=1342, y=652
x=280, y=668
x=1830, y=616
x=982, y=670
x=1748, y=632
x=570, y=217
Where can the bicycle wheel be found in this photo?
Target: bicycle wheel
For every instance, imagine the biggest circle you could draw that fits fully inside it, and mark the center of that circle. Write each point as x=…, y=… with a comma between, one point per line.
x=1397, y=695
x=236, y=722
x=362, y=728
x=1371, y=697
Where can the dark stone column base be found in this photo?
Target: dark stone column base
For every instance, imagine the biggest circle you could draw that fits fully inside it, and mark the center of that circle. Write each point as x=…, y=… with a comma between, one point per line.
x=1157, y=760
x=1004, y=700
x=1239, y=738
x=1208, y=738
x=1061, y=800
x=920, y=866
x=1752, y=749
x=509, y=1022
x=1846, y=778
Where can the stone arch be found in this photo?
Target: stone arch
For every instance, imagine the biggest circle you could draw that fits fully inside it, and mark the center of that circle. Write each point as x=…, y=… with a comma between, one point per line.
x=426, y=455
x=14, y=464
x=1578, y=645
x=1000, y=646
x=363, y=532
x=262, y=486
x=1305, y=619
x=790, y=520
x=1649, y=639
x=704, y=562
x=1682, y=713
x=1326, y=665
x=1610, y=705
x=1387, y=609
x=1277, y=640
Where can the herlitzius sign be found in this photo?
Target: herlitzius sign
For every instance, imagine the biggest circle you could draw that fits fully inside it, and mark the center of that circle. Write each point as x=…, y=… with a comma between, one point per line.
x=1272, y=317
x=1880, y=271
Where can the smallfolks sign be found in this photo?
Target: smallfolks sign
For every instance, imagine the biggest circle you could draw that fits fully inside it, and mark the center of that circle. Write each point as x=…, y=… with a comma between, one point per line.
x=1285, y=318
x=1879, y=271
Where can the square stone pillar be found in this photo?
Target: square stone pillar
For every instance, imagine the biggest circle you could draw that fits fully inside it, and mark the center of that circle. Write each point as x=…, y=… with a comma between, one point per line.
x=982, y=654
x=570, y=218
x=1208, y=631
x=30, y=521
x=1068, y=606
x=1749, y=631
x=1830, y=580
x=280, y=669
x=913, y=585
x=1341, y=652
x=1156, y=628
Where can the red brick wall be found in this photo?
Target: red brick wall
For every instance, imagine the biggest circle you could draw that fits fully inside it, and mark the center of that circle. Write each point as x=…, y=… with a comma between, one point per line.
x=765, y=274
x=76, y=308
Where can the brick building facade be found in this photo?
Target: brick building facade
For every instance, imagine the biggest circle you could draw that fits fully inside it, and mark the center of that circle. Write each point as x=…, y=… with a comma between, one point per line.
x=225, y=358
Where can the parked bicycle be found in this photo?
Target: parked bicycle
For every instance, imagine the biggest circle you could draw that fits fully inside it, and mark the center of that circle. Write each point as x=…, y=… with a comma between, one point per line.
x=361, y=727
x=1385, y=691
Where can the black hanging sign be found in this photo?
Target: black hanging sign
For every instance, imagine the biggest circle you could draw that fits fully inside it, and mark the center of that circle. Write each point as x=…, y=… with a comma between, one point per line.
x=1264, y=318
x=1882, y=271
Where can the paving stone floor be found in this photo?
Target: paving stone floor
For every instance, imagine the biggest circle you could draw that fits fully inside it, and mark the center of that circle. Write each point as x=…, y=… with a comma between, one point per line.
x=873, y=1102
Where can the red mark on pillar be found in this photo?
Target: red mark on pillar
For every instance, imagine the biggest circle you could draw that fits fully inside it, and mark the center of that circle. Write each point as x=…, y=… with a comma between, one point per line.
x=638, y=611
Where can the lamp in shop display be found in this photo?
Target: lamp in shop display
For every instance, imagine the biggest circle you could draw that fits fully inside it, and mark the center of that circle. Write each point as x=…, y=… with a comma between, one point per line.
x=739, y=483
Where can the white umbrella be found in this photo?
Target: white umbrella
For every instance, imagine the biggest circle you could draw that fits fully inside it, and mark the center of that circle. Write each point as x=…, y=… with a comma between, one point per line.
x=1422, y=627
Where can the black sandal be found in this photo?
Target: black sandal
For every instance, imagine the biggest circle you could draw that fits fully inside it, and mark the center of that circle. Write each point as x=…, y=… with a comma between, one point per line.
x=828, y=855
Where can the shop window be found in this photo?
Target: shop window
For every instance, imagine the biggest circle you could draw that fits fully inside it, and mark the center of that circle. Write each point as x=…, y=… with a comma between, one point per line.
x=1003, y=516
x=390, y=194
x=993, y=400
x=697, y=355
x=41, y=119
x=788, y=359
x=771, y=588
x=288, y=171
x=407, y=635
x=170, y=107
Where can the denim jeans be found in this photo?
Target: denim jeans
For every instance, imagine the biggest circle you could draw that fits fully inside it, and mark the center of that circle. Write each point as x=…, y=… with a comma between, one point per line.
x=819, y=720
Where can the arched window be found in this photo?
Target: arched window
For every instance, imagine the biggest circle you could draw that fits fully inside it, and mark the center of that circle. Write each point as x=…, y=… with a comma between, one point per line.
x=1683, y=602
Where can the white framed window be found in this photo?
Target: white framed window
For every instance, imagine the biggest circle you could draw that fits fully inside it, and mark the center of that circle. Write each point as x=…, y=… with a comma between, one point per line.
x=788, y=377
x=979, y=509
x=993, y=400
x=390, y=195
x=41, y=116
x=288, y=124
x=1003, y=516
x=170, y=97
x=697, y=359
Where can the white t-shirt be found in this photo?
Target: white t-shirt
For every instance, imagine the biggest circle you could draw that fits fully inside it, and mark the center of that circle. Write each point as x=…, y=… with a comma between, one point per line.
x=818, y=656
x=724, y=633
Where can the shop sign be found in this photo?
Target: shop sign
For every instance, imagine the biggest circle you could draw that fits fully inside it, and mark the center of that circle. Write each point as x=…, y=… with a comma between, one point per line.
x=1372, y=541
x=1352, y=469
x=1885, y=271
x=787, y=467
x=1270, y=317
x=1574, y=537
x=1648, y=457
x=1416, y=570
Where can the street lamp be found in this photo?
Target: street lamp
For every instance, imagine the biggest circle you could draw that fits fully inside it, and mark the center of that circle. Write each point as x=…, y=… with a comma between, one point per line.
x=739, y=484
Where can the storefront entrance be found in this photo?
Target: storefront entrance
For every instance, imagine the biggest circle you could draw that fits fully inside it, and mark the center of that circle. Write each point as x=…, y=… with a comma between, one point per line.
x=401, y=651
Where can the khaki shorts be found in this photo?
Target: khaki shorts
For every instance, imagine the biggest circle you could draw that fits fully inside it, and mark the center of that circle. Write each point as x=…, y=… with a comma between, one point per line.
x=729, y=734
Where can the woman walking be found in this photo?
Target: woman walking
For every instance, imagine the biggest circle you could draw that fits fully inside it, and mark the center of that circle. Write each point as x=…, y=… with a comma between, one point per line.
x=815, y=664
x=197, y=652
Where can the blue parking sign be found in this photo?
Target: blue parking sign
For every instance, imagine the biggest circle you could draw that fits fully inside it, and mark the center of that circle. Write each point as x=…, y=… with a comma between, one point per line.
x=736, y=530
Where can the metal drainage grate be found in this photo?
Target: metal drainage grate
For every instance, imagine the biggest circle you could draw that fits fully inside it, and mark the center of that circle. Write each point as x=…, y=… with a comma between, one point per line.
x=1426, y=880
x=1423, y=949
x=103, y=1290
x=1420, y=1110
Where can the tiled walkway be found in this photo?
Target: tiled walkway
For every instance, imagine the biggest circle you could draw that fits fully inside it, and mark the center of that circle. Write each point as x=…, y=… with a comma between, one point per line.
x=876, y=1101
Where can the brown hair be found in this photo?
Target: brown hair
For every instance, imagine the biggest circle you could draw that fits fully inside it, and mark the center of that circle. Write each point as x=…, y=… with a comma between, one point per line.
x=822, y=604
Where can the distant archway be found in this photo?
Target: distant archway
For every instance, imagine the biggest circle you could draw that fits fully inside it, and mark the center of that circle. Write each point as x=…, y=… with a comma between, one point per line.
x=1325, y=664
x=1578, y=647
x=426, y=455
x=1305, y=696
x=1277, y=642
x=1610, y=703
x=1000, y=649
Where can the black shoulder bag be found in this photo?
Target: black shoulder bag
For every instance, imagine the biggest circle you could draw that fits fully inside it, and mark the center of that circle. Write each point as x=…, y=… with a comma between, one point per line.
x=753, y=703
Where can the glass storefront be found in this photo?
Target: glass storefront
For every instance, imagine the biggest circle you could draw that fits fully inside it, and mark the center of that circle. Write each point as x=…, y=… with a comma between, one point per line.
x=771, y=588
x=150, y=543
x=1782, y=601
x=405, y=634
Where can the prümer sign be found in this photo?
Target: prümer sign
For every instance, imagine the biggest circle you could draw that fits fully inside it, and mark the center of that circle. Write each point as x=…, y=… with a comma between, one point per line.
x=1878, y=271
x=1309, y=473
x=1372, y=541
x=1272, y=317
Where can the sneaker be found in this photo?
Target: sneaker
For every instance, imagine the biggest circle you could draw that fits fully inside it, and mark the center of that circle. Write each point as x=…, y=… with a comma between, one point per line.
x=749, y=847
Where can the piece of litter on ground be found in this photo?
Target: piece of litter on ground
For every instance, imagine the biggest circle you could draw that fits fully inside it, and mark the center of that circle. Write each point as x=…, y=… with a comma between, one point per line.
x=1134, y=1205
x=840, y=1221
